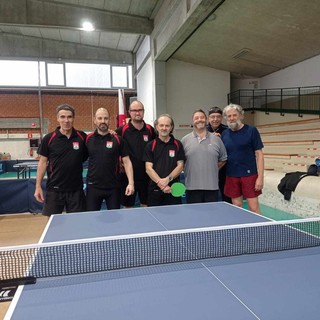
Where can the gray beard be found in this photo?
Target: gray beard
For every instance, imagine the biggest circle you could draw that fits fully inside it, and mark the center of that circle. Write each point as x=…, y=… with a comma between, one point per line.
x=234, y=125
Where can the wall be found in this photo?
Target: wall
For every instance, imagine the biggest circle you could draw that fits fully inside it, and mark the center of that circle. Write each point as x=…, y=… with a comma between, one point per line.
x=305, y=73
x=145, y=90
x=190, y=87
x=25, y=103
x=237, y=84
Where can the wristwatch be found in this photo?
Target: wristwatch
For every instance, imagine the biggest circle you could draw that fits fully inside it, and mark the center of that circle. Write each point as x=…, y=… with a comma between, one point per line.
x=170, y=178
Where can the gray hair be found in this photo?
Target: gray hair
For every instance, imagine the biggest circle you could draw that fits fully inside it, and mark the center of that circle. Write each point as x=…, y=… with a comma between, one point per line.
x=166, y=115
x=65, y=107
x=233, y=106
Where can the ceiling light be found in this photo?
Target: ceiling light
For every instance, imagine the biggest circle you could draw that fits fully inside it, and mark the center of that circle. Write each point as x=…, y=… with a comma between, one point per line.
x=87, y=26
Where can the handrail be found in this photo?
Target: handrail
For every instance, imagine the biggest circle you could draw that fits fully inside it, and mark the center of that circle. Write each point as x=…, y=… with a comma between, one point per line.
x=299, y=100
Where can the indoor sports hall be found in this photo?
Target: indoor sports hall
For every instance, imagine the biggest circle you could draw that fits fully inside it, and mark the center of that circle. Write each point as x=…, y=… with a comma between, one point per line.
x=199, y=261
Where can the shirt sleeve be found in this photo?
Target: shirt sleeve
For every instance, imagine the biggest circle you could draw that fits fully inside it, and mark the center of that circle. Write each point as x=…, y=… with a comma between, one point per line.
x=43, y=149
x=258, y=144
x=181, y=153
x=148, y=155
x=124, y=149
x=223, y=152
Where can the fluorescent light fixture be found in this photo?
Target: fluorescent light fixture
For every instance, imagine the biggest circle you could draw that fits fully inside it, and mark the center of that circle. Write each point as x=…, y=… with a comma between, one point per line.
x=87, y=26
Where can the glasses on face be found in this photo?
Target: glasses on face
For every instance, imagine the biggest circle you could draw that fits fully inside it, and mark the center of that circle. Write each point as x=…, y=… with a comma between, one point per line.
x=215, y=116
x=136, y=110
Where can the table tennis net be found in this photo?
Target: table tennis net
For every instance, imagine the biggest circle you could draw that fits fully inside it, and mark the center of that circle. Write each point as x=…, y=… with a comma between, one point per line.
x=110, y=253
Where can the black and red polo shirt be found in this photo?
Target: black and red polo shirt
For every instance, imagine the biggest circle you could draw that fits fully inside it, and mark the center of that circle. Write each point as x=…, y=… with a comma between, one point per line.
x=137, y=141
x=104, y=152
x=164, y=156
x=65, y=158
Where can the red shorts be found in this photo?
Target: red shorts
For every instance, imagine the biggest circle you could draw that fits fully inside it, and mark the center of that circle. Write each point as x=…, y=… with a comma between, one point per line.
x=243, y=186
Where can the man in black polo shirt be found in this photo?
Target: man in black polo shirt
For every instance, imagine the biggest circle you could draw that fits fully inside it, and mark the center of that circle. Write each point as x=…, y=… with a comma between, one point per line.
x=164, y=157
x=216, y=126
x=62, y=153
x=104, y=150
x=137, y=134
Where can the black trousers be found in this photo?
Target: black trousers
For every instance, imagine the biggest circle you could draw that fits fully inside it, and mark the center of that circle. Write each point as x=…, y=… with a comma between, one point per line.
x=200, y=196
x=95, y=197
x=158, y=198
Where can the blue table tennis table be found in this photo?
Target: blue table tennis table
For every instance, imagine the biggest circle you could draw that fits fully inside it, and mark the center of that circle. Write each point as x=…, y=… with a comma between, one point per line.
x=25, y=168
x=276, y=285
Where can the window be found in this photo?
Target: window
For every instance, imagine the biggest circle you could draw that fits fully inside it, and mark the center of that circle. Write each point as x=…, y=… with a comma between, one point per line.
x=19, y=73
x=88, y=75
x=65, y=74
x=55, y=74
x=119, y=77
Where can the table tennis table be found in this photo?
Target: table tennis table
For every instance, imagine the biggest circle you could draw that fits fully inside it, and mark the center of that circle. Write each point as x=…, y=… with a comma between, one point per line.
x=274, y=285
x=24, y=169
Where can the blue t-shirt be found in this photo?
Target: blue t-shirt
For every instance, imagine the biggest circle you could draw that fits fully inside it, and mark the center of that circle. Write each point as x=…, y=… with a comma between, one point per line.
x=241, y=146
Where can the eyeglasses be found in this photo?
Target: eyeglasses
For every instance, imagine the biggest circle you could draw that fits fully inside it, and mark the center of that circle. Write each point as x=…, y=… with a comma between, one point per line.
x=215, y=116
x=137, y=110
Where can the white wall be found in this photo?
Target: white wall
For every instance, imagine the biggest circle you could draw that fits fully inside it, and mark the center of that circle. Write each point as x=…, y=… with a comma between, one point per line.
x=237, y=84
x=190, y=87
x=17, y=145
x=303, y=74
x=143, y=52
x=145, y=90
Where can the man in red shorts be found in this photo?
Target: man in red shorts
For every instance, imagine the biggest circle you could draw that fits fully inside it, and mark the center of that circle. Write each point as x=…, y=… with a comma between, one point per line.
x=245, y=165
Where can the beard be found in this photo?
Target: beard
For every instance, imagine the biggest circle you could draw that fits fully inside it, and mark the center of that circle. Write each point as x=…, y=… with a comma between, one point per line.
x=234, y=126
x=103, y=127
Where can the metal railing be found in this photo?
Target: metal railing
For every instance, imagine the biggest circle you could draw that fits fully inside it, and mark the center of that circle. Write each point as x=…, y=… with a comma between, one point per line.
x=300, y=100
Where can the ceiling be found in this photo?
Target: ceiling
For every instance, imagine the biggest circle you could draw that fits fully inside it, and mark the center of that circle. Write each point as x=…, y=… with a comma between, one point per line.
x=249, y=38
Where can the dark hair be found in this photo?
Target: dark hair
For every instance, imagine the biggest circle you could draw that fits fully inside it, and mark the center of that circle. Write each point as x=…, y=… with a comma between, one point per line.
x=198, y=110
x=214, y=110
x=65, y=107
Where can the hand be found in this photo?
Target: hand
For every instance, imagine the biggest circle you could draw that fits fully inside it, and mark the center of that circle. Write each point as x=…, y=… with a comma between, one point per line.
x=162, y=183
x=38, y=194
x=129, y=190
x=259, y=184
x=167, y=189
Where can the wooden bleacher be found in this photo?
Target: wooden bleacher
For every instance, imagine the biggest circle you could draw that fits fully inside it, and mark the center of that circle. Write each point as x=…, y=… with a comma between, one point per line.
x=291, y=146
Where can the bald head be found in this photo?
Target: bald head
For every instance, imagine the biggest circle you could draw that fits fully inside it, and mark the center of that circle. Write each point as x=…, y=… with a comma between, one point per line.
x=102, y=111
x=136, y=105
x=101, y=120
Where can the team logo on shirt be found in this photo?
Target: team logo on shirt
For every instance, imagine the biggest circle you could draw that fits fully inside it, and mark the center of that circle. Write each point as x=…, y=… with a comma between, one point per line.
x=109, y=144
x=172, y=153
x=75, y=145
x=145, y=138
